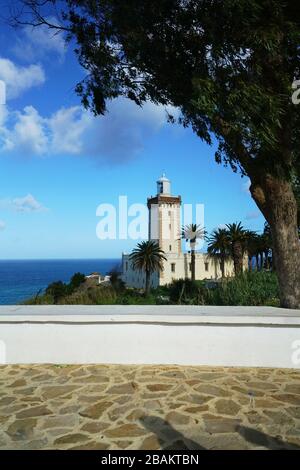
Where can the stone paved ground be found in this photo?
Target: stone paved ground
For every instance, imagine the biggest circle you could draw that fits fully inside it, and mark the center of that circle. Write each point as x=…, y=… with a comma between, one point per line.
x=148, y=407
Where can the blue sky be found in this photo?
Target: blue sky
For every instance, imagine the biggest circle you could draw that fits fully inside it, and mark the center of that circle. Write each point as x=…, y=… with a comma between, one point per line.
x=58, y=162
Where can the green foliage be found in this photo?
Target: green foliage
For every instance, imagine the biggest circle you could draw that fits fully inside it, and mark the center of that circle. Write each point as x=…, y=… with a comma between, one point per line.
x=135, y=297
x=97, y=295
x=57, y=290
x=218, y=242
x=228, y=65
x=45, y=299
x=147, y=257
x=251, y=288
x=219, y=246
x=76, y=280
x=116, y=281
x=184, y=291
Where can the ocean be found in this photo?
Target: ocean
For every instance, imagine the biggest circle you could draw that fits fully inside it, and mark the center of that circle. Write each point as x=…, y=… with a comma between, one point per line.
x=20, y=280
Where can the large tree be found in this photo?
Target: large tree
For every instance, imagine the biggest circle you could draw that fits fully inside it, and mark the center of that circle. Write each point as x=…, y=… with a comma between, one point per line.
x=228, y=65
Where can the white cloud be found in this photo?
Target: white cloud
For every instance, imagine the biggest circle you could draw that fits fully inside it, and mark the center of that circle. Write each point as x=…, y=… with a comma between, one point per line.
x=27, y=204
x=4, y=132
x=246, y=186
x=115, y=137
x=20, y=79
x=23, y=204
x=29, y=132
x=39, y=43
x=2, y=225
x=253, y=215
x=67, y=128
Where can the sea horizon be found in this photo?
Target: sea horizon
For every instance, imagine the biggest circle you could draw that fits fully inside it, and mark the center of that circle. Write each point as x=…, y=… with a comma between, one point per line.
x=21, y=279
x=56, y=259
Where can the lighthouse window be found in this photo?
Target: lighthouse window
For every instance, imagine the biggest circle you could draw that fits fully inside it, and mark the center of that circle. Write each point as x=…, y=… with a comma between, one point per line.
x=169, y=213
x=170, y=247
x=173, y=267
x=206, y=266
x=126, y=266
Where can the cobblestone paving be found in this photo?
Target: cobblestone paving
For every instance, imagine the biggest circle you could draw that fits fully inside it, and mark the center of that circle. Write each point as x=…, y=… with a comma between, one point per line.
x=148, y=407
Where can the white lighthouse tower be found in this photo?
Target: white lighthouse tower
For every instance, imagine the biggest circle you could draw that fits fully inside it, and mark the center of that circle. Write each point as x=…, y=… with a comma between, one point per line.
x=165, y=229
x=164, y=217
x=164, y=185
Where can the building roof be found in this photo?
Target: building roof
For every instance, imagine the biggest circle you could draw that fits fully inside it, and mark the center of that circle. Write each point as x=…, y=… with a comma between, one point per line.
x=164, y=199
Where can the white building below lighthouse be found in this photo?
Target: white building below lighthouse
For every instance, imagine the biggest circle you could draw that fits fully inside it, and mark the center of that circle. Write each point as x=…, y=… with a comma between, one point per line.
x=165, y=228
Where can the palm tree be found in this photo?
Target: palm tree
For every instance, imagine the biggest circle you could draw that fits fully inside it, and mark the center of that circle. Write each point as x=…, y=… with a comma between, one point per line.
x=191, y=233
x=148, y=257
x=237, y=237
x=260, y=246
x=252, y=244
x=218, y=246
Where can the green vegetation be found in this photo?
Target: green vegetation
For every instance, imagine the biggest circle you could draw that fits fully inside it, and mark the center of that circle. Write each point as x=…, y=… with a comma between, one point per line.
x=251, y=288
x=219, y=247
x=191, y=233
x=234, y=241
x=184, y=291
x=237, y=240
x=58, y=290
x=147, y=257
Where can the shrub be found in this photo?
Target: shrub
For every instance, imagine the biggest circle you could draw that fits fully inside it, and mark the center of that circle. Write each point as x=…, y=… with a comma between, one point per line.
x=102, y=295
x=76, y=280
x=39, y=300
x=57, y=290
x=184, y=291
x=116, y=281
x=135, y=297
x=162, y=300
x=97, y=295
x=250, y=288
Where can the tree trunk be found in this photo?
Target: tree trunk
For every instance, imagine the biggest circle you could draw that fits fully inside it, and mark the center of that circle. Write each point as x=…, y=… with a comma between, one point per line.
x=273, y=261
x=237, y=257
x=267, y=259
x=249, y=263
x=193, y=264
x=261, y=267
x=147, y=287
x=257, y=262
x=276, y=200
x=222, y=265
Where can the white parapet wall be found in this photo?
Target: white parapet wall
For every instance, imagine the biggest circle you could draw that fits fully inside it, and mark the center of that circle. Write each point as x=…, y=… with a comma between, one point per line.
x=214, y=336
